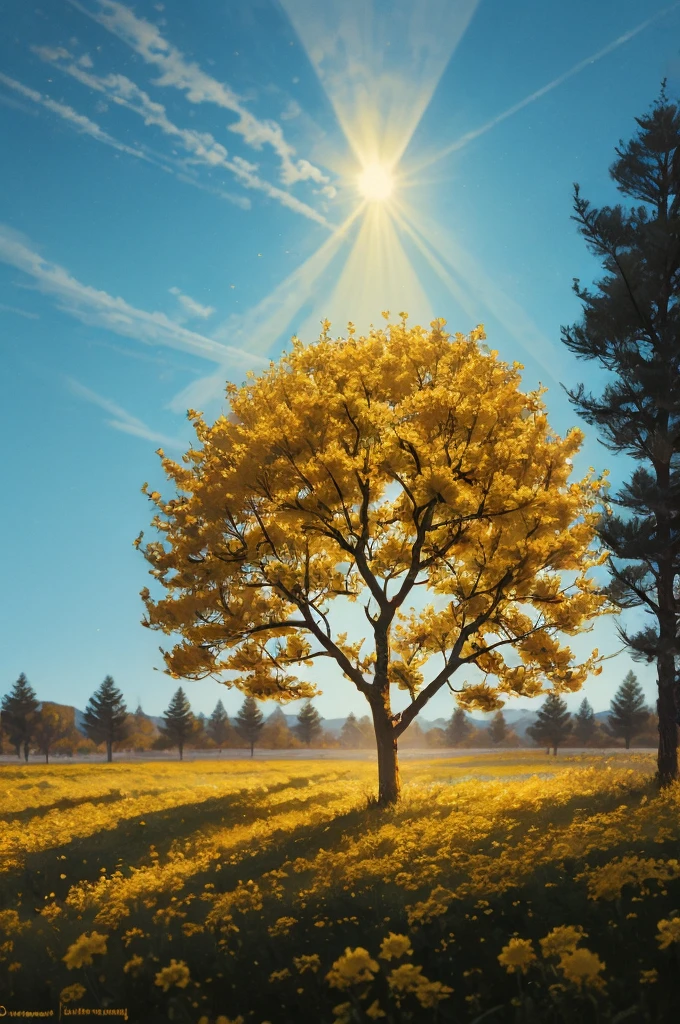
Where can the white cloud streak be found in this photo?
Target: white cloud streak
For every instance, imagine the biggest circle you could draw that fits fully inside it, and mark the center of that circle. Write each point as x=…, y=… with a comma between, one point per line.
x=19, y=312
x=516, y=107
x=123, y=420
x=202, y=146
x=97, y=308
x=191, y=306
x=179, y=73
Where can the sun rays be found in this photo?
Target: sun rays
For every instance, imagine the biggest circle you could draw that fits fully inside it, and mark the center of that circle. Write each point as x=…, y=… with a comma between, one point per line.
x=359, y=56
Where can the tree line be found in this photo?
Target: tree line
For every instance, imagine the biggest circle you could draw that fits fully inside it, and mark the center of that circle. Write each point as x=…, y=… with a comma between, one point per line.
x=27, y=725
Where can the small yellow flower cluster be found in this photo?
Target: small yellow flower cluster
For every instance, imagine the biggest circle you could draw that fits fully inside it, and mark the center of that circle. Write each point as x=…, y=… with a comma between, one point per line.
x=581, y=967
x=307, y=962
x=410, y=979
x=354, y=967
x=176, y=973
x=84, y=948
x=669, y=932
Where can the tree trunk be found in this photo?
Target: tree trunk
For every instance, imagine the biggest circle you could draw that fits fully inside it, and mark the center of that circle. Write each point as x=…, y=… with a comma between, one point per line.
x=26, y=752
x=181, y=751
x=627, y=742
x=554, y=751
x=252, y=749
x=667, y=759
x=47, y=757
x=389, y=784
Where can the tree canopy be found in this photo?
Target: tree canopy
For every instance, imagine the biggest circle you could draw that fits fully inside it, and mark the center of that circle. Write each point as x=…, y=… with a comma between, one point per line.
x=19, y=709
x=367, y=469
x=106, y=718
x=629, y=713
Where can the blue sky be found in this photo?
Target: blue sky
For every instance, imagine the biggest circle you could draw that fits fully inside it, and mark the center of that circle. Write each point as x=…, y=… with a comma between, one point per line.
x=172, y=184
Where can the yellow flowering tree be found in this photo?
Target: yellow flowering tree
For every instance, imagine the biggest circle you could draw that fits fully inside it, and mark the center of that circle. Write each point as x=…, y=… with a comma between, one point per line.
x=369, y=469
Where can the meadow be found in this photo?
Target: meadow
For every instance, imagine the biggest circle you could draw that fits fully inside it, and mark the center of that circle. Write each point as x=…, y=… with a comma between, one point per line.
x=504, y=887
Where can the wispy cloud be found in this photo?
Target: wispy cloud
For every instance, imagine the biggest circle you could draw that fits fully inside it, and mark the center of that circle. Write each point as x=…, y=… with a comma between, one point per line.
x=202, y=146
x=179, y=73
x=19, y=312
x=123, y=420
x=97, y=308
x=77, y=121
x=191, y=306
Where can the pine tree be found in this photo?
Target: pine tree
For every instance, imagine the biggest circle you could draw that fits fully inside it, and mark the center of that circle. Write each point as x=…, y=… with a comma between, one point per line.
x=584, y=725
x=552, y=724
x=308, y=725
x=629, y=713
x=19, y=708
x=106, y=717
x=179, y=721
x=458, y=728
x=498, y=729
x=630, y=326
x=249, y=723
x=351, y=734
x=219, y=726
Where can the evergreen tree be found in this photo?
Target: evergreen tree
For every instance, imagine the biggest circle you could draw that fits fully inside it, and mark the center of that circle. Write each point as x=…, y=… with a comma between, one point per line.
x=628, y=712
x=552, y=724
x=584, y=725
x=276, y=733
x=249, y=723
x=19, y=708
x=351, y=734
x=106, y=717
x=219, y=726
x=498, y=729
x=52, y=723
x=308, y=725
x=630, y=327
x=458, y=728
x=179, y=721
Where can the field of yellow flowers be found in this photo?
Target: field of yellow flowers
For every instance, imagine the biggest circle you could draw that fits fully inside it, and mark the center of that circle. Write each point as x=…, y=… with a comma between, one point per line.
x=512, y=887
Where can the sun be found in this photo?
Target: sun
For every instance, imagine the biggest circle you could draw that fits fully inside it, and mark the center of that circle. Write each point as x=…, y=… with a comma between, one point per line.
x=376, y=183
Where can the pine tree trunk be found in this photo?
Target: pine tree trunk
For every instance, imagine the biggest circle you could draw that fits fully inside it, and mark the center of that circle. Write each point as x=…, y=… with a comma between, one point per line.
x=627, y=742
x=181, y=751
x=47, y=757
x=26, y=752
x=109, y=750
x=252, y=749
x=554, y=751
x=667, y=759
x=389, y=784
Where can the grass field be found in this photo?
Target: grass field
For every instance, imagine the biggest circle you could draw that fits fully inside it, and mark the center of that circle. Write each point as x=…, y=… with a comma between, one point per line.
x=507, y=887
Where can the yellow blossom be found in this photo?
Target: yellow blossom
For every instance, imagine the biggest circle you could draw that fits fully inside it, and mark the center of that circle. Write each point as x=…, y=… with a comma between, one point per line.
x=84, y=948
x=279, y=975
x=409, y=978
x=354, y=967
x=307, y=962
x=517, y=955
x=563, y=939
x=649, y=977
x=133, y=965
x=669, y=932
x=72, y=993
x=374, y=1011
x=395, y=946
x=582, y=968
x=176, y=973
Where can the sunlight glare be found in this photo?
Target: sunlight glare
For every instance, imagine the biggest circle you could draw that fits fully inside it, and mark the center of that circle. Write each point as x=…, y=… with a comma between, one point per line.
x=376, y=183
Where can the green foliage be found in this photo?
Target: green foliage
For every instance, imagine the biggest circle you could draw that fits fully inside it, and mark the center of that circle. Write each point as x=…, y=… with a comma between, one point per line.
x=308, y=725
x=630, y=326
x=219, y=727
x=19, y=708
x=458, y=728
x=249, y=722
x=106, y=717
x=584, y=726
x=498, y=729
x=353, y=734
x=179, y=721
x=552, y=724
x=628, y=711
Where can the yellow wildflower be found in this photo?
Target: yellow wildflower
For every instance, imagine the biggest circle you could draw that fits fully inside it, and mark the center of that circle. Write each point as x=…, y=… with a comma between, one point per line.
x=649, y=977
x=228, y=1020
x=15, y=966
x=10, y=923
x=374, y=1010
x=306, y=962
x=343, y=1013
x=190, y=928
x=281, y=926
x=563, y=939
x=72, y=993
x=133, y=965
x=51, y=911
x=409, y=978
x=582, y=968
x=517, y=955
x=133, y=933
x=84, y=948
x=352, y=968
x=395, y=946
x=279, y=975
x=669, y=931
x=176, y=973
